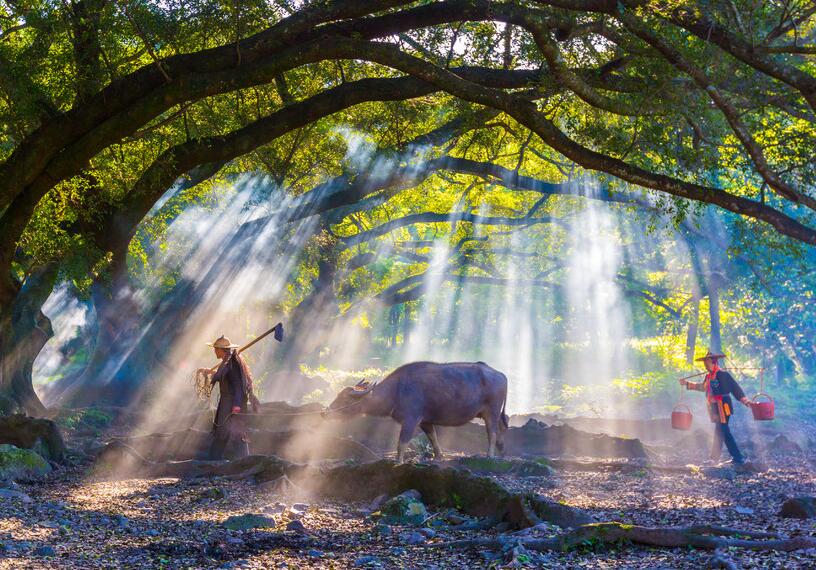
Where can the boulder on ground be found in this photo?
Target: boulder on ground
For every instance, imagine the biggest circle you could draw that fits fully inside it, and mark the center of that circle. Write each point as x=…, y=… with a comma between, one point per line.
x=37, y=434
x=17, y=464
x=248, y=521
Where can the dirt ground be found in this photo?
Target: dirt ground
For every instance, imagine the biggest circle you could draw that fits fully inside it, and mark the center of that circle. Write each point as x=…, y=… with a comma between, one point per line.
x=75, y=521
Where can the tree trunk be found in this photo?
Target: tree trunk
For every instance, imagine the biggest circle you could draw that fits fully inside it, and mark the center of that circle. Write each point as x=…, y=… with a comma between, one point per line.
x=693, y=327
x=715, y=340
x=24, y=330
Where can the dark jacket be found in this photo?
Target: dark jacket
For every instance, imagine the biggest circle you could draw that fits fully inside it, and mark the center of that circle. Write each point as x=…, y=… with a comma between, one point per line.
x=723, y=384
x=232, y=387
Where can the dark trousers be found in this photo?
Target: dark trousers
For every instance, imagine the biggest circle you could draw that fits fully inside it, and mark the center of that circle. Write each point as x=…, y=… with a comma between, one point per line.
x=722, y=433
x=229, y=447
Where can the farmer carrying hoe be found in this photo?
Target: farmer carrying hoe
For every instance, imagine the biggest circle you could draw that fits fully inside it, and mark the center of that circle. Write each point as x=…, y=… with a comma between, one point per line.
x=718, y=387
x=234, y=381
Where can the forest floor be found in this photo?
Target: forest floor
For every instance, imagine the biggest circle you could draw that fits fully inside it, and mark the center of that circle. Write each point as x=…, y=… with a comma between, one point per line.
x=76, y=521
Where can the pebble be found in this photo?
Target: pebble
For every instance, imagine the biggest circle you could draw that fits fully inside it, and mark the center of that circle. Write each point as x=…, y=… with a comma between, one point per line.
x=296, y=526
x=412, y=538
x=384, y=530
x=398, y=551
x=274, y=509
x=45, y=551
x=303, y=507
x=367, y=560
x=427, y=532
x=314, y=553
x=18, y=495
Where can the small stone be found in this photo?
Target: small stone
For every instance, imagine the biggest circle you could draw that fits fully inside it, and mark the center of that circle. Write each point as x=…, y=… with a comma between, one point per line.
x=152, y=532
x=234, y=540
x=296, y=526
x=212, y=494
x=274, y=509
x=411, y=494
x=248, y=521
x=49, y=524
x=427, y=532
x=15, y=496
x=377, y=503
x=314, y=553
x=744, y=510
x=384, y=530
x=45, y=551
x=456, y=519
x=398, y=551
x=302, y=507
x=367, y=560
x=412, y=538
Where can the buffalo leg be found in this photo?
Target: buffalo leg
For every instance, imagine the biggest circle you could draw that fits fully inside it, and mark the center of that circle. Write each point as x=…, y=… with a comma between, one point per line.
x=409, y=426
x=430, y=431
x=490, y=426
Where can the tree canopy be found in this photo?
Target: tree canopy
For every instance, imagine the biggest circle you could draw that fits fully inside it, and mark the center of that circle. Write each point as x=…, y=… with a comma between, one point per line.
x=471, y=113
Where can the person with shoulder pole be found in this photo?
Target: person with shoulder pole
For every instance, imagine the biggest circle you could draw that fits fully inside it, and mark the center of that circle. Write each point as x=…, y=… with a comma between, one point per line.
x=718, y=386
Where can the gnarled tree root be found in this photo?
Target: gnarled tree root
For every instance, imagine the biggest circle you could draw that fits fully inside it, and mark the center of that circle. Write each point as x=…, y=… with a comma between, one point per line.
x=705, y=537
x=442, y=487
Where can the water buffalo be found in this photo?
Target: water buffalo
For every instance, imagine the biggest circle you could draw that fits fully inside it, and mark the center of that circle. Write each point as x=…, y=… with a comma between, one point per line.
x=427, y=394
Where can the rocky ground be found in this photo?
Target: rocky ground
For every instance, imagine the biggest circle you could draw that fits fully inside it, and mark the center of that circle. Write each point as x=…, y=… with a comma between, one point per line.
x=73, y=520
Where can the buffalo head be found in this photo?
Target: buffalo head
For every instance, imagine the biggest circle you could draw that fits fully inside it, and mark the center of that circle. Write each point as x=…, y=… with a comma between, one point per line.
x=351, y=400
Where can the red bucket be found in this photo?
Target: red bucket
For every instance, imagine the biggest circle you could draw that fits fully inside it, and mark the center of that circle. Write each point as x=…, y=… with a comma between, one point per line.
x=763, y=411
x=681, y=419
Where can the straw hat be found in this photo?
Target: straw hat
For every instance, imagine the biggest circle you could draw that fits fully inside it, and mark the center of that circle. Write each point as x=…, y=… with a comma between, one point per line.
x=222, y=342
x=709, y=354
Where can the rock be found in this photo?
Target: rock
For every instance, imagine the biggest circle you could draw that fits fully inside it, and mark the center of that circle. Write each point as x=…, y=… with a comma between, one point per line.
x=427, y=532
x=455, y=519
x=405, y=508
x=302, y=507
x=367, y=561
x=743, y=510
x=234, y=540
x=398, y=551
x=16, y=463
x=151, y=532
x=274, y=509
x=782, y=444
x=378, y=502
x=45, y=551
x=15, y=496
x=248, y=521
x=799, y=508
x=296, y=526
x=412, y=538
x=212, y=494
x=314, y=553
x=36, y=434
x=383, y=530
